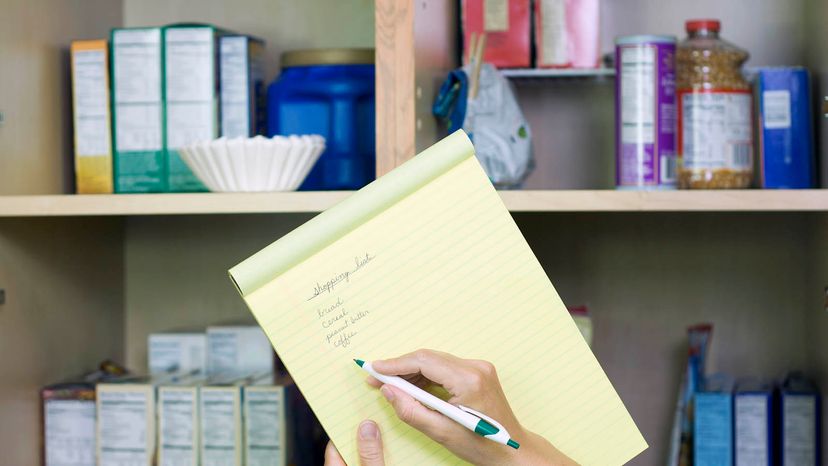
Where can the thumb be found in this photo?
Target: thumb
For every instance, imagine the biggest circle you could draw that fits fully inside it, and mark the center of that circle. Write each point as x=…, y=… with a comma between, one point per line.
x=369, y=445
x=332, y=456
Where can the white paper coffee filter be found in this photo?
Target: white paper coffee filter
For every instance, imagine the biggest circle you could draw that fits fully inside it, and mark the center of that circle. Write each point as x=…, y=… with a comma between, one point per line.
x=257, y=164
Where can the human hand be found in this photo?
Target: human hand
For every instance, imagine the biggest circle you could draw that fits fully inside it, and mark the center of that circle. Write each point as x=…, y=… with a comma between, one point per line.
x=471, y=383
x=369, y=446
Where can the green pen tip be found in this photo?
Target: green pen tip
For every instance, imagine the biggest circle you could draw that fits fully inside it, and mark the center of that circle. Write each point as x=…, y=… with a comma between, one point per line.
x=513, y=444
x=359, y=362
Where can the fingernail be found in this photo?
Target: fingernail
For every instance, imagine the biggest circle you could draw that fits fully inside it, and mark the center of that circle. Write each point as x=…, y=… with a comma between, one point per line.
x=368, y=431
x=387, y=393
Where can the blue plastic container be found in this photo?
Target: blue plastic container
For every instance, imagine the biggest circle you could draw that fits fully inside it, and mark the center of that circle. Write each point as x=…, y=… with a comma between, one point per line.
x=328, y=92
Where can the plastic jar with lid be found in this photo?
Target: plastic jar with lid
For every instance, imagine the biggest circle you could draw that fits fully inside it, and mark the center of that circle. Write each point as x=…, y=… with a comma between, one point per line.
x=329, y=92
x=715, y=132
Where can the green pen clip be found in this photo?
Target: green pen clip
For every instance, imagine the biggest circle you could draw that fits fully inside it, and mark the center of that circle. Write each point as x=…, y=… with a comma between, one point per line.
x=488, y=427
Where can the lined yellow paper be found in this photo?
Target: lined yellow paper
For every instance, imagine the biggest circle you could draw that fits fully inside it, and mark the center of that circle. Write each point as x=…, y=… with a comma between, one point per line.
x=436, y=263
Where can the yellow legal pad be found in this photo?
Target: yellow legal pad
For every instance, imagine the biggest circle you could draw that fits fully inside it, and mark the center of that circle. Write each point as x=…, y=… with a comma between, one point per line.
x=428, y=257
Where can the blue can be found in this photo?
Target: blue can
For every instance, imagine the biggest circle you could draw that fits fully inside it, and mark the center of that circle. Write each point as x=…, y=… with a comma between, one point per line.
x=329, y=92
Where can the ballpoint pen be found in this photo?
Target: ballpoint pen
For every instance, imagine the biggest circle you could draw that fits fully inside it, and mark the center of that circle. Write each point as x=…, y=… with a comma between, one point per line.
x=475, y=421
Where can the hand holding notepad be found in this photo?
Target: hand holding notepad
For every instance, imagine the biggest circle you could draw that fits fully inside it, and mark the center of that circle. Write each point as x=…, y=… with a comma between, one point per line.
x=428, y=256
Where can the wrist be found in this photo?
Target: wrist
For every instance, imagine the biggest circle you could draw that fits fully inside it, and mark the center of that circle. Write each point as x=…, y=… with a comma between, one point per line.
x=537, y=451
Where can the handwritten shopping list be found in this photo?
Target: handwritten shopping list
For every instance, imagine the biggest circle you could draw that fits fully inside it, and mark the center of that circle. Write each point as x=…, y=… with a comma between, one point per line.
x=340, y=323
x=444, y=267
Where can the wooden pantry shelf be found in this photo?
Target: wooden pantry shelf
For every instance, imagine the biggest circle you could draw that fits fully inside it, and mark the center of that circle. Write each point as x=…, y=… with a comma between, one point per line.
x=553, y=73
x=167, y=204
x=667, y=201
x=516, y=201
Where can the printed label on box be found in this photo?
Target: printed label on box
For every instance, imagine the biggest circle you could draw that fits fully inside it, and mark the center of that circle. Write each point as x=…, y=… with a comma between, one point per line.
x=263, y=427
x=235, y=92
x=553, y=32
x=496, y=15
x=218, y=427
x=91, y=100
x=69, y=430
x=177, y=416
x=751, y=430
x=190, y=86
x=799, y=430
x=777, y=108
x=137, y=74
x=123, y=428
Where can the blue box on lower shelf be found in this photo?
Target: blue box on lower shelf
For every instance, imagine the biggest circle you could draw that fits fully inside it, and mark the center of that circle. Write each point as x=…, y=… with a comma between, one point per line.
x=753, y=423
x=713, y=423
x=800, y=426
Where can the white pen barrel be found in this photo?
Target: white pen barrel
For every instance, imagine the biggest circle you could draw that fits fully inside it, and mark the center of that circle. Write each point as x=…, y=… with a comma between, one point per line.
x=453, y=412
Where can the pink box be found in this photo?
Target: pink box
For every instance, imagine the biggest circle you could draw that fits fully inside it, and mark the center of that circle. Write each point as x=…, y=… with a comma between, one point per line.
x=567, y=33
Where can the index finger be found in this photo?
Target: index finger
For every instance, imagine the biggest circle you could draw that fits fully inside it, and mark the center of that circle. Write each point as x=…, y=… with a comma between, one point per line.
x=441, y=368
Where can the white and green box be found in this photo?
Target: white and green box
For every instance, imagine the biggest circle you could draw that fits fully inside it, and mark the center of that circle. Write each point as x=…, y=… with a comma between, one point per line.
x=241, y=86
x=140, y=162
x=191, y=92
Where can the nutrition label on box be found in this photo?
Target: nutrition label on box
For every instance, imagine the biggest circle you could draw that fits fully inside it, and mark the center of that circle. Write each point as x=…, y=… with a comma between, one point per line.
x=137, y=74
x=799, y=431
x=495, y=15
x=90, y=90
x=178, y=413
x=777, y=109
x=235, y=82
x=751, y=430
x=69, y=430
x=123, y=435
x=190, y=85
x=263, y=427
x=218, y=427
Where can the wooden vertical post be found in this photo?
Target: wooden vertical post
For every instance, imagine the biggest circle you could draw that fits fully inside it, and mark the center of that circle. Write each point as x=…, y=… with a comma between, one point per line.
x=395, y=106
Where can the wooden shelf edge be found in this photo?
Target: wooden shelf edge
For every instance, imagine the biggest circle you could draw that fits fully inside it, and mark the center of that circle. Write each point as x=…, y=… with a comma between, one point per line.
x=168, y=204
x=552, y=73
x=667, y=201
x=515, y=201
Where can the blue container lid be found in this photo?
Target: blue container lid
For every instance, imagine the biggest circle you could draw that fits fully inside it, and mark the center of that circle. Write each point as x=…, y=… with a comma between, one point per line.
x=316, y=57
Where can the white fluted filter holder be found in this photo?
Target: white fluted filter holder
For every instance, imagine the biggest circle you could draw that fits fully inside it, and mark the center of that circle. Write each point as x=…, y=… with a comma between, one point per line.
x=256, y=164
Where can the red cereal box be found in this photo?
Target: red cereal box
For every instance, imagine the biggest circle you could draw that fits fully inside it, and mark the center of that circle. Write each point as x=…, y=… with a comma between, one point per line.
x=507, y=24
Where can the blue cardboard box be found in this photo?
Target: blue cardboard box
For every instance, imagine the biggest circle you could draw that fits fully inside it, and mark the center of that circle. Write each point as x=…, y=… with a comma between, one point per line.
x=713, y=423
x=785, y=128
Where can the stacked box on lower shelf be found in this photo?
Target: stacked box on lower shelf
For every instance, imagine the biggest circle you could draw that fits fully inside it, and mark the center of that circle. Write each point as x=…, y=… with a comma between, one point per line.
x=178, y=425
x=264, y=411
x=191, y=421
x=69, y=423
x=211, y=398
x=713, y=423
x=756, y=422
x=125, y=423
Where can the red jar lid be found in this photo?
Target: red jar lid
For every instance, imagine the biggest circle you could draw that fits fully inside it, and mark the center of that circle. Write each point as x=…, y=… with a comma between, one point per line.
x=703, y=24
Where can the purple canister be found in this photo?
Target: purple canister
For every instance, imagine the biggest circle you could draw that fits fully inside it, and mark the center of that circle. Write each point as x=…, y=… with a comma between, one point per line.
x=645, y=112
